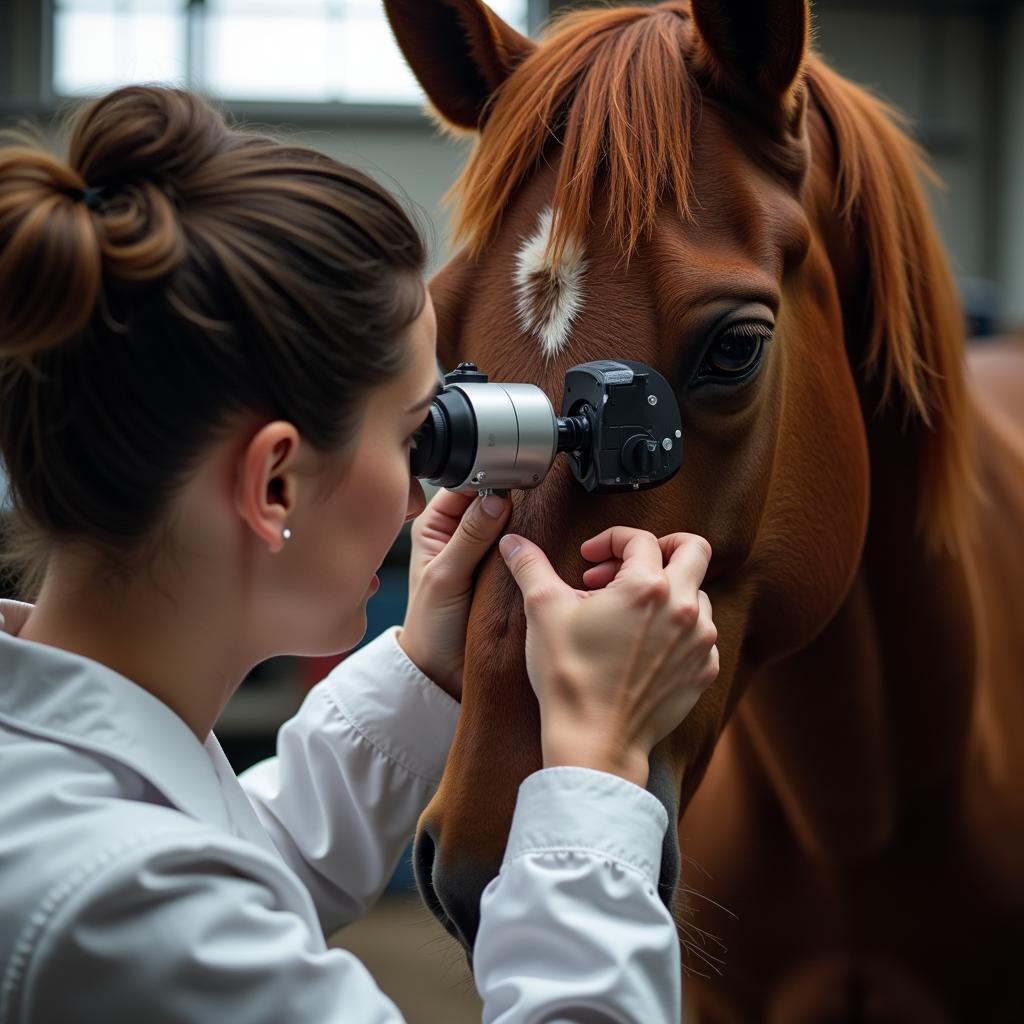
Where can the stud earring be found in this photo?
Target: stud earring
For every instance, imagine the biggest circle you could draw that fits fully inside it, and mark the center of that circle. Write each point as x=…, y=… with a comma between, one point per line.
x=286, y=534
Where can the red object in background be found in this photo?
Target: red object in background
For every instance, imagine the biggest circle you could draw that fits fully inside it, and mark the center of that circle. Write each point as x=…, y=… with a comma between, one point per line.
x=312, y=670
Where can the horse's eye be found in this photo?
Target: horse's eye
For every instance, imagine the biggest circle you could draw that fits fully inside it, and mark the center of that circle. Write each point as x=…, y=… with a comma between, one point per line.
x=735, y=354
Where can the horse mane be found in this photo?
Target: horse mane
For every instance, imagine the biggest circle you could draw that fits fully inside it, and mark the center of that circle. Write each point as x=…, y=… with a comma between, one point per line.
x=915, y=326
x=613, y=87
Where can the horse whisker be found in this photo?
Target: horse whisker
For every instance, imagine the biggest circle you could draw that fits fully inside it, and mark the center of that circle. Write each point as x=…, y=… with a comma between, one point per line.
x=687, y=891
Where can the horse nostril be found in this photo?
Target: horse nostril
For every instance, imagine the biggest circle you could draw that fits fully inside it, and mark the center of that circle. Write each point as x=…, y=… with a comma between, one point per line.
x=423, y=869
x=423, y=863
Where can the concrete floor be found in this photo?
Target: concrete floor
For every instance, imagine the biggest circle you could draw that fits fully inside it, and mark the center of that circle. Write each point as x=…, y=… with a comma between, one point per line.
x=418, y=964
x=414, y=961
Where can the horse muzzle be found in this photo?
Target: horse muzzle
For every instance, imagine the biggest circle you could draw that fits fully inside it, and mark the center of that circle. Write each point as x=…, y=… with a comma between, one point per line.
x=451, y=885
x=451, y=891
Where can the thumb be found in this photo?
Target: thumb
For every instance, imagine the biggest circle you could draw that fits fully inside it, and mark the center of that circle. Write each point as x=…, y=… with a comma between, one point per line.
x=529, y=566
x=479, y=528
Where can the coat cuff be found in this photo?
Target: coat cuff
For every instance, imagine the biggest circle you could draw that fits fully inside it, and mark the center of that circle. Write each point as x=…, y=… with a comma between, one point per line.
x=579, y=809
x=395, y=707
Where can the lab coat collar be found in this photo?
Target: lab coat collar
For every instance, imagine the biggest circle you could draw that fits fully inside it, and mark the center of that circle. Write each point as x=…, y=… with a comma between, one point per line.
x=75, y=700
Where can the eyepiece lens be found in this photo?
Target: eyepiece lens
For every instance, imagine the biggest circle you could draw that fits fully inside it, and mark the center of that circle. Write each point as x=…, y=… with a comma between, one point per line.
x=432, y=445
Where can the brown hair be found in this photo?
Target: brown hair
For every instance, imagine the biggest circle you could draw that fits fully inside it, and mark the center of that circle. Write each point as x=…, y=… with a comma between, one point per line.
x=174, y=273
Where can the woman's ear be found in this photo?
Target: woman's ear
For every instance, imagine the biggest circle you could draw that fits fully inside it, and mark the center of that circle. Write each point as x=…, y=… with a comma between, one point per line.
x=460, y=51
x=267, y=482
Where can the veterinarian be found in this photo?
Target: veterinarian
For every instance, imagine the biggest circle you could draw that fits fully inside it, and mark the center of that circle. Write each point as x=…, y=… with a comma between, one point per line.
x=214, y=350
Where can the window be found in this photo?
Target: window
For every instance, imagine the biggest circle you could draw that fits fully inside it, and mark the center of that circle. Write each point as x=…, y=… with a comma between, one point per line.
x=313, y=51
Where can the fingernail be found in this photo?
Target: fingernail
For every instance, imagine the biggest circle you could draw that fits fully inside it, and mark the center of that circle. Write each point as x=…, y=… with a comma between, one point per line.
x=493, y=505
x=509, y=545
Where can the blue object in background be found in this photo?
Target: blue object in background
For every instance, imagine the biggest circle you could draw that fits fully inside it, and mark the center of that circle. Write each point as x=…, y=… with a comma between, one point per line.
x=387, y=607
x=980, y=301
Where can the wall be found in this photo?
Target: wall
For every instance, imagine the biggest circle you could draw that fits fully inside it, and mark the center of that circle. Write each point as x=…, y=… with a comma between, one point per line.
x=1010, y=229
x=412, y=158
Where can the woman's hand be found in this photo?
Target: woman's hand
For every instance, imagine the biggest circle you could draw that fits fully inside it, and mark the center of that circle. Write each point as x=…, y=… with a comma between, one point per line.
x=616, y=669
x=449, y=539
x=13, y=615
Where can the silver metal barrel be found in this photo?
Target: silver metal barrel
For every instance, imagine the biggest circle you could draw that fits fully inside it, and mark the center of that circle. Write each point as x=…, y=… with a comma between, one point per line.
x=517, y=435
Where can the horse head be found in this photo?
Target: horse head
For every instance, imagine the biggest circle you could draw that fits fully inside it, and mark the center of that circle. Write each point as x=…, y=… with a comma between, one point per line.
x=688, y=186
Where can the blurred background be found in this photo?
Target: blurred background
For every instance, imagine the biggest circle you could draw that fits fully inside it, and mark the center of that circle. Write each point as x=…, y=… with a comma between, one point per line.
x=327, y=73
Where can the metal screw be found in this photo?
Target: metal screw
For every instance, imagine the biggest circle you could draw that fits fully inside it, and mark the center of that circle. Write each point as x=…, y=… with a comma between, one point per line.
x=679, y=433
x=667, y=444
x=480, y=477
x=652, y=399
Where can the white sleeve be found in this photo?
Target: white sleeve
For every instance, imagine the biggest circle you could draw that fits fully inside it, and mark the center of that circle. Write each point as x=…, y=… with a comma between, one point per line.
x=178, y=932
x=178, y=928
x=572, y=929
x=354, y=769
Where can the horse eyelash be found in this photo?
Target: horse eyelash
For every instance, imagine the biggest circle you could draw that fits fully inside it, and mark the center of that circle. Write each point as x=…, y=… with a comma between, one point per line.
x=750, y=329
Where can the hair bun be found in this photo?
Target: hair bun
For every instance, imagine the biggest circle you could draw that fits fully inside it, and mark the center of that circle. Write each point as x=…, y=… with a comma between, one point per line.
x=145, y=134
x=50, y=253
x=144, y=146
x=135, y=152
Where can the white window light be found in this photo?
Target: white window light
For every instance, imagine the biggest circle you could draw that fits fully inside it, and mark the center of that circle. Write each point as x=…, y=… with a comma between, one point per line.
x=313, y=51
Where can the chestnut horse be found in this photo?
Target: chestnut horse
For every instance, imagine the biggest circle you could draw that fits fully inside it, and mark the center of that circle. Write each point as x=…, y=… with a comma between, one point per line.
x=696, y=190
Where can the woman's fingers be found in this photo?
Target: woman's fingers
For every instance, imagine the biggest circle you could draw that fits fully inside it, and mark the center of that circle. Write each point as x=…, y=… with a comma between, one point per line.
x=599, y=576
x=687, y=557
x=702, y=640
x=532, y=571
x=14, y=615
x=707, y=631
x=636, y=556
x=637, y=550
x=446, y=508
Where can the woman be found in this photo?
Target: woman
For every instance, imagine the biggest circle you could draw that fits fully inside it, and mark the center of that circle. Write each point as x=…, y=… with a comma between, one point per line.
x=214, y=352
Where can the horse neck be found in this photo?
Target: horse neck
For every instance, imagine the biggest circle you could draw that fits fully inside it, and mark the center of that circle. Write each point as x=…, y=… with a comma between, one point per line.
x=871, y=718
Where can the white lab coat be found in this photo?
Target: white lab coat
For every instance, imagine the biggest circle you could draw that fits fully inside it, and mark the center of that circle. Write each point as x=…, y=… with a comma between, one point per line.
x=142, y=882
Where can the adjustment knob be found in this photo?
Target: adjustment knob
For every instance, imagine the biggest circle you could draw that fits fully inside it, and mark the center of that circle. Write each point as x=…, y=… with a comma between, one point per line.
x=465, y=373
x=638, y=455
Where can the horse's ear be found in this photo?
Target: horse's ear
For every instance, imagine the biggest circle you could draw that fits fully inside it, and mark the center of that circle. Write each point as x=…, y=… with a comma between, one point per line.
x=756, y=48
x=460, y=51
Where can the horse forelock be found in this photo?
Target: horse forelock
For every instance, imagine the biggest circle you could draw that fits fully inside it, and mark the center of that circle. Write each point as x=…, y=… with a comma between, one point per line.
x=612, y=87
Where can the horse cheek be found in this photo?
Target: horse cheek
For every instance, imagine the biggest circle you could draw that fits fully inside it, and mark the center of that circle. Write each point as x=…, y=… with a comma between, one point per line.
x=497, y=741
x=818, y=502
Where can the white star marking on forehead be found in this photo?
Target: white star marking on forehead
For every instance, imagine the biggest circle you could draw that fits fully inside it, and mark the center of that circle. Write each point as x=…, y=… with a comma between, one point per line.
x=548, y=299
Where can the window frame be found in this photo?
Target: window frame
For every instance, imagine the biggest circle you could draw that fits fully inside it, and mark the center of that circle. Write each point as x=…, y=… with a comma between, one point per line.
x=293, y=111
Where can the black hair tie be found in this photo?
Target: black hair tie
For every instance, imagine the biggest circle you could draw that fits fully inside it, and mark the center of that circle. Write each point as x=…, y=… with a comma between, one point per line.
x=92, y=196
